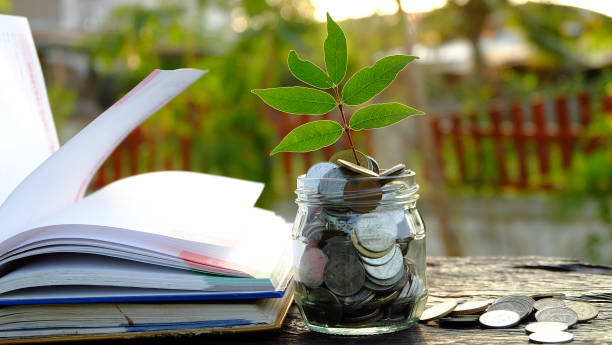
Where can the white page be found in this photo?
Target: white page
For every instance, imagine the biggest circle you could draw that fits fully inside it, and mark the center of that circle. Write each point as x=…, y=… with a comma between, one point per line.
x=187, y=205
x=62, y=179
x=194, y=217
x=83, y=269
x=27, y=131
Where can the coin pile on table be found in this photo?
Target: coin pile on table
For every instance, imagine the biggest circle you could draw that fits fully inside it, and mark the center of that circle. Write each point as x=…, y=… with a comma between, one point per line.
x=554, y=315
x=353, y=270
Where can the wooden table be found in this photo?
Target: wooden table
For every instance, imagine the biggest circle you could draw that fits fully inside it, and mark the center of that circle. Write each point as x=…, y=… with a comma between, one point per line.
x=468, y=278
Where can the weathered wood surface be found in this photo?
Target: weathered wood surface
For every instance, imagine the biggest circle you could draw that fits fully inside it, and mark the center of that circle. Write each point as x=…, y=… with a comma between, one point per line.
x=467, y=278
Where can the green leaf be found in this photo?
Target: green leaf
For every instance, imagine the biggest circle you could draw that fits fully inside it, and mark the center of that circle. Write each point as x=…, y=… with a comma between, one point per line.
x=381, y=115
x=297, y=100
x=309, y=137
x=369, y=81
x=335, y=51
x=308, y=72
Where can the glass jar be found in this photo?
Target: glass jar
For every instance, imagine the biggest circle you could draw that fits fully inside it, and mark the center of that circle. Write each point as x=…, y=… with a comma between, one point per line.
x=359, y=254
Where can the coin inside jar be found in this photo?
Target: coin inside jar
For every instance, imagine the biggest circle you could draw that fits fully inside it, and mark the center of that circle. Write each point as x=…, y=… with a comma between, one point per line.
x=362, y=195
x=332, y=183
x=375, y=231
x=311, y=267
x=323, y=306
x=388, y=269
x=387, y=282
x=382, y=260
x=365, y=252
x=344, y=275
x=315, y=173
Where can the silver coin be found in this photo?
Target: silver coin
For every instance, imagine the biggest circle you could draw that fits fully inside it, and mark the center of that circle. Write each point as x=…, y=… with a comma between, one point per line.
x=551, y=337
x=404, y=280
x=558, y=314
x=545, y=327
x=316, y=172
x=332, y=184
x=548, y=302
x=342, y=222
x=339, y=245
x=363, y=296
x=368, y=284
x=344, y=275
x=387, y=282
x=313, y=232
x=374, y=164
x=311, y=268
x=356, y=168
x=382, y=260
x=403, y=230
x=517, y=297
x=388, y=269
x=395, y=170
x=499, y=318
x=414, y=289
x=515, y=306
x=375, y=231
x=393, y=212
x=323, y=306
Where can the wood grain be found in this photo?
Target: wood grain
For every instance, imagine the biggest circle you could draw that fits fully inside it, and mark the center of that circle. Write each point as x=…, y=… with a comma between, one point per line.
x=468, y=278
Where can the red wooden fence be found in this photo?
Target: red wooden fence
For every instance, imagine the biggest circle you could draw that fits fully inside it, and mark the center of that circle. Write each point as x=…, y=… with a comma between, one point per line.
x=515, y=137
x=518, y=133
x=126, y=159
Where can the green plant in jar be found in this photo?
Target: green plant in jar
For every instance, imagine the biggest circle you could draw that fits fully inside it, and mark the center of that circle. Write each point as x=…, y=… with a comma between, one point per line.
x=358, y=89
x=359, y=241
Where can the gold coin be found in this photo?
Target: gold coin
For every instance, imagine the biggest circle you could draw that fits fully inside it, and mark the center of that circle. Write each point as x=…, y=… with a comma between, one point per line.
x=357, y=168
x=348, y=156
x=438, y=311
x=585, y=311
x=366, y=252
x=471, y=307
x=547, y=295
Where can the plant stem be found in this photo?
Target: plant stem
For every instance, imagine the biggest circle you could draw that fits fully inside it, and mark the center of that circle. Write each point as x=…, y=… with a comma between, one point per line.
x=347, y=130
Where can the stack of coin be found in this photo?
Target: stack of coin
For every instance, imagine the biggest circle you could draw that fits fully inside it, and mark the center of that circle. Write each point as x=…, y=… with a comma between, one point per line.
x=553, y=317
x=354, y=270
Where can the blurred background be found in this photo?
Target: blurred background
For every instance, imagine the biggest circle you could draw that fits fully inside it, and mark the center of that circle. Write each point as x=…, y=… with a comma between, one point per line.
x=514, y=156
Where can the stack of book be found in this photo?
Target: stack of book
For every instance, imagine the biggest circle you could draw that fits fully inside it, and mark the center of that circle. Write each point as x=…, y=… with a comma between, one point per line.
x=164, y=252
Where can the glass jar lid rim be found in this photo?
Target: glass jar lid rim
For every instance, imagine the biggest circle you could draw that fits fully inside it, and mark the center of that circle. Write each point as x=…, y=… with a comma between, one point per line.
x=406, y=175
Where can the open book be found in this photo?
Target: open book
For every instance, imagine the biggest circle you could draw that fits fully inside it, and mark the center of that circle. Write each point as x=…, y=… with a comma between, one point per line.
x=160, y=236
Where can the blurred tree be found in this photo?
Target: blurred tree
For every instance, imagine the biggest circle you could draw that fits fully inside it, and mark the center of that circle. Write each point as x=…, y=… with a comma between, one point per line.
x=5, y=6
x=217, y=114
x=565, y=37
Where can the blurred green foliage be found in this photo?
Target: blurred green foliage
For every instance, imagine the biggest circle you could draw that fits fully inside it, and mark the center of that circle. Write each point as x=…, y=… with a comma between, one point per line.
x=589, y=182
x=5, y=6
x=218, y=113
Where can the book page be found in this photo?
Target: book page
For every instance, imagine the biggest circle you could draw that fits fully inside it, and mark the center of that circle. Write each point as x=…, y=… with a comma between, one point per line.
x=27, y=131
x=179, y=204
x=62, y=179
